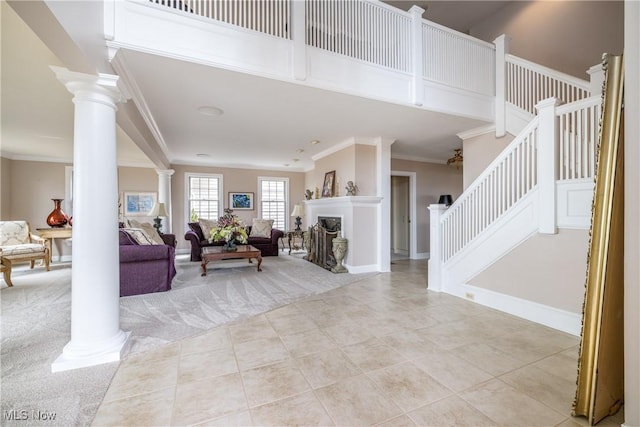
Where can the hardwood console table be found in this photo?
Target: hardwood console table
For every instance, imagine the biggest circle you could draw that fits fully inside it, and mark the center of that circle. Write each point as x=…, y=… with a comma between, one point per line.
x=53, y=233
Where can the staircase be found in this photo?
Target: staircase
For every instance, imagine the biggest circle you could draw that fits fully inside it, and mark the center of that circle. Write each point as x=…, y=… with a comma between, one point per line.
x=529, y=189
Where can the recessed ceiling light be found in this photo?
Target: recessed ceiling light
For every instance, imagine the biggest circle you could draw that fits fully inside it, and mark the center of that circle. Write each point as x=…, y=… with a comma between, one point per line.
x=314, y=142
x=203, y=155
x=286, y=164
x=209, y=110
x=300, y=150
x=296, y=160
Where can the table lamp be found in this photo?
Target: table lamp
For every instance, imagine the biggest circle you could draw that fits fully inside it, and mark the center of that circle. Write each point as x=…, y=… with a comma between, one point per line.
x=297, y=213
x=158, y=210
x=445, y=199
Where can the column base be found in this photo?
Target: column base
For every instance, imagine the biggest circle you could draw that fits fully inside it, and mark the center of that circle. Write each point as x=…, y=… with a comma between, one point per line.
x=73, y=359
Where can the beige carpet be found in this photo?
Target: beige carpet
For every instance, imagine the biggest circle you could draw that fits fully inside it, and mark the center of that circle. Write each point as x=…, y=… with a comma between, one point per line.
x=36, y=326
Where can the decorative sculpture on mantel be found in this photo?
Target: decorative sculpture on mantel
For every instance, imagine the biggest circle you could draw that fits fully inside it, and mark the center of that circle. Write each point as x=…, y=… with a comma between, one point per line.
x=351, y=188
x=308, y=194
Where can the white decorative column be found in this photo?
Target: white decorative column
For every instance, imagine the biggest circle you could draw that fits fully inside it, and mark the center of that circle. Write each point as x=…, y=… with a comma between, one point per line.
x=417, y=53
x=96, y=336
x=434, y=281
x=164, y=196
x=383, y=170
x=548, y=158
x=502, y=50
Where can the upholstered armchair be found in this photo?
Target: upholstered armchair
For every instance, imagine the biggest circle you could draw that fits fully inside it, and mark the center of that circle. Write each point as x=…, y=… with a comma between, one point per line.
x=18, y=244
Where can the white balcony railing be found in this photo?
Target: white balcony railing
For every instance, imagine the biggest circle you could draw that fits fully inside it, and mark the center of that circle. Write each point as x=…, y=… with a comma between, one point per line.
x=529, y=83
x=579, y=124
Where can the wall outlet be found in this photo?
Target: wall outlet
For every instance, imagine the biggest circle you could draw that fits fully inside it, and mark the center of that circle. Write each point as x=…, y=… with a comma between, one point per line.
x=469, y=295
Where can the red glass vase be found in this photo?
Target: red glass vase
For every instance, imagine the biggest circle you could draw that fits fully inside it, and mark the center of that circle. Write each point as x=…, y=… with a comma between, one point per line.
x=57, y=218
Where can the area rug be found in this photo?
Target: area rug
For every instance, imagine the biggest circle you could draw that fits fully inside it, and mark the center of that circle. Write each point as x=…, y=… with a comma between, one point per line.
x=36, y=326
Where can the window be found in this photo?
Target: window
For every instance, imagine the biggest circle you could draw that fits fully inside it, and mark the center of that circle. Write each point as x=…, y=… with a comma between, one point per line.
x=204, y=196
x=273, y=194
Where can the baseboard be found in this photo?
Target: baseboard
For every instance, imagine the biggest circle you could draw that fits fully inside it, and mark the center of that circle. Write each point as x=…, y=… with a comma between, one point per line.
x=63, y=258
x=422, y=255
x=552, y=317
x=183, y=251
x=371, y=268
x=401, y=252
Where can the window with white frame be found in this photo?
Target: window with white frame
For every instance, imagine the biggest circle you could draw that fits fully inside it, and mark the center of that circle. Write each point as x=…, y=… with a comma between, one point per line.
x=204, y=196
x=273, y=194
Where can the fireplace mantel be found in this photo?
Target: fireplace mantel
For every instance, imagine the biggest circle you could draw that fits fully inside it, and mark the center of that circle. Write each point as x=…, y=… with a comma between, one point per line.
x=344, y=201
x=360, y=217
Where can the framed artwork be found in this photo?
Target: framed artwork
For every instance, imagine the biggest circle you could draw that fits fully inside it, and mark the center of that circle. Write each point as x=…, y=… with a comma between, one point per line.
x=241, y=201
x=329, y=184
x=139, y=203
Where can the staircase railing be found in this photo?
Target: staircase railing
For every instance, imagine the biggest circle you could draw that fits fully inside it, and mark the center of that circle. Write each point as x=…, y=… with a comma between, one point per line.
x=579, y=127
x=558, y=144
x=508, y=179
x=529, y=83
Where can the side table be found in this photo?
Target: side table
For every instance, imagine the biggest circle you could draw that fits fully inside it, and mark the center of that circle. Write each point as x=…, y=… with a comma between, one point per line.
x=53, y=233
x=291, y=237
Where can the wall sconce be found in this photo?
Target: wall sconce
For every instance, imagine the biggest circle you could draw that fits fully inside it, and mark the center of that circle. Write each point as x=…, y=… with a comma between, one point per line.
x=456, y=160
x=297, y=213
x=158, y=210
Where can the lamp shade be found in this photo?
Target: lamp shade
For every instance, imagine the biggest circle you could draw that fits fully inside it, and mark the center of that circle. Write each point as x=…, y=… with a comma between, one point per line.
x=158, y=210
x=297, y=211
x=445, y=199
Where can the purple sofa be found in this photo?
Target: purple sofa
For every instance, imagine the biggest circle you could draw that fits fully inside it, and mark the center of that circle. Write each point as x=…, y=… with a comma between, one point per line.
x=268, y=245
x=146, y=268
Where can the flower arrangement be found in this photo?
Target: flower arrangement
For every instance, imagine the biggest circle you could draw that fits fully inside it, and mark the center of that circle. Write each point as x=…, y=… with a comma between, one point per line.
x=229, y=229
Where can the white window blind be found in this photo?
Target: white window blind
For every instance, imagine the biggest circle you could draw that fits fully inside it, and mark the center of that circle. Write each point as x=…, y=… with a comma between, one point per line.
x=204, y=196
x=274, y=200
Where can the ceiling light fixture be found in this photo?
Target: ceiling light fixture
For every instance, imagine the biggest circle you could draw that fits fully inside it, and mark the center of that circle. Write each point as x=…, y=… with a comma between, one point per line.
x=314, y=142
x=456, y=160
x=296, y=160
x=209, y=110
x=300, y=150
x=203, y=155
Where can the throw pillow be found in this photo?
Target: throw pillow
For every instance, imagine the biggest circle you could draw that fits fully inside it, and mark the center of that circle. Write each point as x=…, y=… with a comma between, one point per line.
x=261, y=227
x=152, y=232
x=139, y=235
x=207, y=225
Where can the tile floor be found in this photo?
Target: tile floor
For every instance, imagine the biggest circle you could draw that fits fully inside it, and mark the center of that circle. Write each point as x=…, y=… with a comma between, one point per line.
x=382, y=351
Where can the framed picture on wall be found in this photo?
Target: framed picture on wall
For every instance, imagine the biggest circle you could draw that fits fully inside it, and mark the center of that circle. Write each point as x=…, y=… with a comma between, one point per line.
x=138, y=203
x=328, y=187
x=241, y=201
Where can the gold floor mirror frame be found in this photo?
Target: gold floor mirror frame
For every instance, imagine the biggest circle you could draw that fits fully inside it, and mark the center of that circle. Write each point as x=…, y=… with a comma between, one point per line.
x=600, y=384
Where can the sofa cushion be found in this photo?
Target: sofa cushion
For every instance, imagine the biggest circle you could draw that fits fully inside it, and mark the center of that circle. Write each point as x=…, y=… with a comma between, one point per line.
x=206, y=225
x=139, y=235
x=261, y=228
x=23, y=249
x=14, y=233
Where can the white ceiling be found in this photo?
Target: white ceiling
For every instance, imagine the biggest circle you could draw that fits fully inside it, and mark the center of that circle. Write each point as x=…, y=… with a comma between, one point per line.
x=265, y=122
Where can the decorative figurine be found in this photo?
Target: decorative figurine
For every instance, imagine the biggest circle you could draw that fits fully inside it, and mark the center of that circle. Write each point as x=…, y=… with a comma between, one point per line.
x=351, y=188
x=308, y=194
x=317, y=193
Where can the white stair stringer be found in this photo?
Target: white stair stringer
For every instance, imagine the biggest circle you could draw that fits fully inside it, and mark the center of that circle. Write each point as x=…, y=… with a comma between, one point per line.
x=501, y=237
x=518, y=225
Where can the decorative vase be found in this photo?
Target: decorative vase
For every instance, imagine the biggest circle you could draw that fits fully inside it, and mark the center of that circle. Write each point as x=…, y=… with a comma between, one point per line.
x=339, y=250
x=57, y=218
x=230, y=246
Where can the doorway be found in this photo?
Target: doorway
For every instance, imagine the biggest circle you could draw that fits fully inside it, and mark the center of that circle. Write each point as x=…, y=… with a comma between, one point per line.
x=400, y=217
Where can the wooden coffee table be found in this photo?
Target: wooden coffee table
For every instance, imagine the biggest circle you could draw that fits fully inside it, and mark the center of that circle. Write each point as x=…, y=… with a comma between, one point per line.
x=213, y=253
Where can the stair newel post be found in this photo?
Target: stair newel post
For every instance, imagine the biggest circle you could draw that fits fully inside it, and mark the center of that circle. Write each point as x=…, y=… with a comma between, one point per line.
x=434, y=281
x=298, y=19
x=417, y=54
x=502, y=50
x=596, y=79
x=548, y=157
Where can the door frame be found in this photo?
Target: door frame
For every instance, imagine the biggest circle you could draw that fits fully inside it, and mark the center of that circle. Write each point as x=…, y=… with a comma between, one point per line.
x=413, y=224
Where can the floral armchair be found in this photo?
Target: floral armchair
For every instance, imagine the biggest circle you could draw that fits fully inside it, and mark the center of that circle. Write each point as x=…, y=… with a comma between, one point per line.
x=18, y=244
